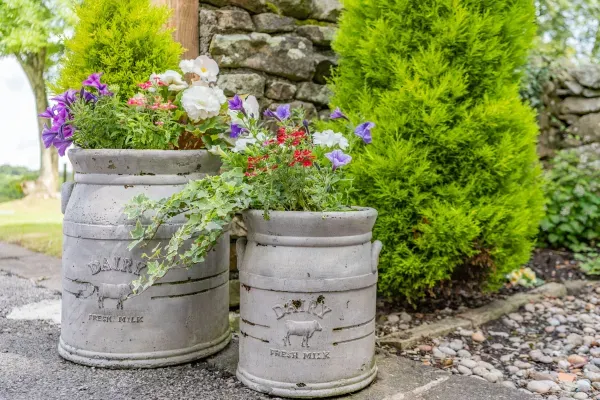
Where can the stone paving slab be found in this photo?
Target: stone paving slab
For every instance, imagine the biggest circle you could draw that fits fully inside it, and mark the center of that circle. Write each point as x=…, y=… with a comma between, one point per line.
x=403, y=379
x=39, y=268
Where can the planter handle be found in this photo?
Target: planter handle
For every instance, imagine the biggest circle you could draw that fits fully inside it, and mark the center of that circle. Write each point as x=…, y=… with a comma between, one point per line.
x=376, y=247
x=65, y=194
x=240, y=250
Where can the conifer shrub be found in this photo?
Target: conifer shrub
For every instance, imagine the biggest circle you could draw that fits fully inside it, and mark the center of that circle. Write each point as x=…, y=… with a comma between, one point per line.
x=453, y=169
x=126, y=40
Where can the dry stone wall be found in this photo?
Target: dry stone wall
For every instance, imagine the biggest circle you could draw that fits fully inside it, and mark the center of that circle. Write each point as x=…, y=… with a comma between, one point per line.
x=277, y=50
x=570, y=117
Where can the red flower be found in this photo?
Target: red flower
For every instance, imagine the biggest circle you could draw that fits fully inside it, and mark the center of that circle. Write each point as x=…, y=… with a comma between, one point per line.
x=281, y=135
x=304, y=157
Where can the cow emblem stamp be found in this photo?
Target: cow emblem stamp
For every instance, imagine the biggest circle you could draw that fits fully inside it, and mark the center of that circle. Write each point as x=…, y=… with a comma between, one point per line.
x=306, y=329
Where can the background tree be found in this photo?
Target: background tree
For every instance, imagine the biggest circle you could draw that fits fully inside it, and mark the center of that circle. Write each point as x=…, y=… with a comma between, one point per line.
x=30, y=30
x=453, y=169
x=568, y=28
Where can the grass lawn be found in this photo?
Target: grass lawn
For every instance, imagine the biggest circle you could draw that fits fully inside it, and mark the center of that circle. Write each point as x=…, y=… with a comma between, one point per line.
x=33, y=223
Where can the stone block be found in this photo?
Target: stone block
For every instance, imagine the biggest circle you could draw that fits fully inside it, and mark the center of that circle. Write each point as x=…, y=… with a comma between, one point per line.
x=271, y=23
x=314, y=93
x=280, y=90
x=580, y=105
x=234, y=20
x=207, y=28
x=325, y=62
x=319, y=35
x=242, y=83
x=326, y=10
x=287, y=56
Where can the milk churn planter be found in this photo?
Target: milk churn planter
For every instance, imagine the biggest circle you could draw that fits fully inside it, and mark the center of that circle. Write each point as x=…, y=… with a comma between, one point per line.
x=149, y=145
x=307, y=304
x=184, y=316
x=308, y=270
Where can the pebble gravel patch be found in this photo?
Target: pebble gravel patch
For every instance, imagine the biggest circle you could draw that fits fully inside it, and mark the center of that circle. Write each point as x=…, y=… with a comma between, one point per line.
x=550, y=348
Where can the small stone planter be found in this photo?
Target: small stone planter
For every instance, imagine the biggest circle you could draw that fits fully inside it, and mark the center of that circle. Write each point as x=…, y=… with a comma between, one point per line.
x=307, y=304
x=184, y=316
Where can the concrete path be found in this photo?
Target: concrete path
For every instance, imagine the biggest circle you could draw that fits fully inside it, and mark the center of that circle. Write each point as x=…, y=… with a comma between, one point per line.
x=31, y=369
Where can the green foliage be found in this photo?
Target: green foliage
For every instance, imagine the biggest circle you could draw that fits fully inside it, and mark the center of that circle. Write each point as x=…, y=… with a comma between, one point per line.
x=10, y=181
x=125, y=40
x=573, y=201
x=536, y=73
x=589, y=262
x=112, y=124
x=286, y=171
x=210, y=204
x=453, y=169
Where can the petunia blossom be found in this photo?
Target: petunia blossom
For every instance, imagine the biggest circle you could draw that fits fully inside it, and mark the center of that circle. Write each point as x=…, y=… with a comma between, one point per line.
x=364, y=131
x=236, y=130
x=281, y=113
x=94, y=81
x=338, y=159
x=242, y=144
x=250, y=108
x=67, y=98
x=330, y=138
x=236, y=103
x=337, y=113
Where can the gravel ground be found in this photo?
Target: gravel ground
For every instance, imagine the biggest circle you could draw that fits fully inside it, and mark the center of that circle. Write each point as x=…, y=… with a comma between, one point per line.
x=550, y=348
x=30, y=368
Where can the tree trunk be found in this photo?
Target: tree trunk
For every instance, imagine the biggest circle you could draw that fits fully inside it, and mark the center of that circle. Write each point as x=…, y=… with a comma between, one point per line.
x=34, y=65
x=185, y=21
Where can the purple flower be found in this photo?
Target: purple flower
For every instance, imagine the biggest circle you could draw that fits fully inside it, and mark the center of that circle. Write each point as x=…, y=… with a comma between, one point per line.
x=283, y=112
x=236, y=104
x=48, y=136
x=236, y=130
x=49, y=113
x=62, y=145
x=337, y=113
x=269, y=114
x=94, y=81
x=338, y=158
x=66, y=98
x=87, y=96
x=364, y=131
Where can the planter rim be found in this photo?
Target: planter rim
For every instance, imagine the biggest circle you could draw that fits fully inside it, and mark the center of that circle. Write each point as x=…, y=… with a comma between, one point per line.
x=143, y=162
x=355, y=212
x=309, y=228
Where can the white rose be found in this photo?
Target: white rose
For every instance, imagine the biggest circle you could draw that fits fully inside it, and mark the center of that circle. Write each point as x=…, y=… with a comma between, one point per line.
x=330, y=138
x=201, y=102
x=174, y=80
x=251, y=108
x=203, y=66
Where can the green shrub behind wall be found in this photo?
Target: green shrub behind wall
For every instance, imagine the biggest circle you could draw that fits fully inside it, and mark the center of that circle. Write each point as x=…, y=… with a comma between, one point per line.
x=124, y=39
x=452, y=169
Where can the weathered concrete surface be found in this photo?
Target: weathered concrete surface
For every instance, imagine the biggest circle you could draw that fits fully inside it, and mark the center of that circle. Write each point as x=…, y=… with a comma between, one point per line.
x=40, y=268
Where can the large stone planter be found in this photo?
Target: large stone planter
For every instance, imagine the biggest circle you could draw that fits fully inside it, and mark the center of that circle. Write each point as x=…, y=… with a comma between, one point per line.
x=183, y=317
x=307, y=304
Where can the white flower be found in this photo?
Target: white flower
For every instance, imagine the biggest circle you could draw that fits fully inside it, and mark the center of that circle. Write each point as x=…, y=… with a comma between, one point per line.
x=242, y=144
x=205, y=67
x=202, y=102
x=330, y=138
x=174, y=80
x=251, y=108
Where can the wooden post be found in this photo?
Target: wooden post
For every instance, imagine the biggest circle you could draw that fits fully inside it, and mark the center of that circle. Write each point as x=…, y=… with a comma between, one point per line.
x=185, y=20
